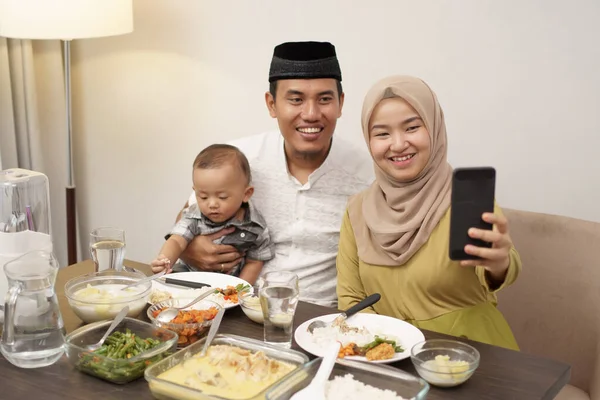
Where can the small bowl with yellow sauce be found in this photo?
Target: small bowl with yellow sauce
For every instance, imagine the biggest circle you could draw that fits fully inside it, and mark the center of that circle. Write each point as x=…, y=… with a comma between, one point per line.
x=250, y=304
x=444, y=363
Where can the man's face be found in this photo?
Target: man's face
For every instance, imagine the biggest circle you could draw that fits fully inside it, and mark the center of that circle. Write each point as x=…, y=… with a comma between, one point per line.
x=307, y=111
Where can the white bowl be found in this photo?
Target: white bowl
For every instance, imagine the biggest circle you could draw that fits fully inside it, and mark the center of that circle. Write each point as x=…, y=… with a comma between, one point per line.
x=250, y=305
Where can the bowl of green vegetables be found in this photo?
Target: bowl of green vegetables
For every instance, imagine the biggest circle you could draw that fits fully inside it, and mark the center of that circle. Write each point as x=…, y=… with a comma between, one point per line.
x=127, y=352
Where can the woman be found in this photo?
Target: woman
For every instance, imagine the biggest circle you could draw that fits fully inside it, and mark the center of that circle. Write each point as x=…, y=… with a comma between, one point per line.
x=394, y=237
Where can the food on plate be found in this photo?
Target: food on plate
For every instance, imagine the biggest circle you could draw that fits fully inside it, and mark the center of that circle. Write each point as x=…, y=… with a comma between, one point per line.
x=357, y=341
x=378, y=349
x=383, y=351
x=100, y=302
x=189, y=324
x=159, y=295
x=110, y=361
x=347, y=388
x=226, y=371
x=443, y=371
x=230, y=293
x=223, y=297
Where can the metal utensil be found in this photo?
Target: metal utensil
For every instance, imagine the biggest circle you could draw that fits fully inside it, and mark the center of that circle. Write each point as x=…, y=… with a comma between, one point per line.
x=361, y=305
x=214, y=327
x=316, y=388
x=180, y=282
x=122, y=314
x=168, y=314
x=145, y=280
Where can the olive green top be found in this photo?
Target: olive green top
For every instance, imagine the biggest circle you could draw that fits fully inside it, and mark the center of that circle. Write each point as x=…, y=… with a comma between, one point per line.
x=430, y=291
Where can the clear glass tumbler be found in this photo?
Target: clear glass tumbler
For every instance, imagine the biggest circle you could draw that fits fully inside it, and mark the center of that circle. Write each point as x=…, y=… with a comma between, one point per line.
x=279, y=294
x=107, y=248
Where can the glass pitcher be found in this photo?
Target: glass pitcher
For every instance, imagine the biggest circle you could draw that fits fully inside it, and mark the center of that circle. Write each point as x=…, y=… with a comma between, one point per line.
x=33, y=334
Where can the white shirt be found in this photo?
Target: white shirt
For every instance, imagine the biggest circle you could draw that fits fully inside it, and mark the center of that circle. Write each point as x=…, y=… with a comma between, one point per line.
x=304, y=220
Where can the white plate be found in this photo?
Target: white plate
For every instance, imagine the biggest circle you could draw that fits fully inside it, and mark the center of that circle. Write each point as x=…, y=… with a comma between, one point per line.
x=381, y=325
x=214, y=279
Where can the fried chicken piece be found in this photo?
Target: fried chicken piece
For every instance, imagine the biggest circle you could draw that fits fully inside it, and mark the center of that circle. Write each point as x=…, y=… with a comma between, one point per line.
x=384, y=351
x=357, y=350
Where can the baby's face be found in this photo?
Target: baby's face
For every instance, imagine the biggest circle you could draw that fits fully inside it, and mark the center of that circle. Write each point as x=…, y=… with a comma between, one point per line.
x=220, y=191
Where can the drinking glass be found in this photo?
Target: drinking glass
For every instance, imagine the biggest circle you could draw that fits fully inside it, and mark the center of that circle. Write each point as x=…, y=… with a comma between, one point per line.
x=107, y=248
x=278, y=294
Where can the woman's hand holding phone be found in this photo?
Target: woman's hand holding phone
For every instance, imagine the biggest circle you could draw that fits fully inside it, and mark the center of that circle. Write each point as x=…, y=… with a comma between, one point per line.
x=496, y=258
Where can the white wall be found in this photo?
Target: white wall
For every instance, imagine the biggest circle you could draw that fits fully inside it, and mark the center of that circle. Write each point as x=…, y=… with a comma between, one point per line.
x=518, y=81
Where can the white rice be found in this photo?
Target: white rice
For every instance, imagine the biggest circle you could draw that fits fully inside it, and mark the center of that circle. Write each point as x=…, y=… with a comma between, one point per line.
x=323, y=337
x=348, y=388
x=329, y=334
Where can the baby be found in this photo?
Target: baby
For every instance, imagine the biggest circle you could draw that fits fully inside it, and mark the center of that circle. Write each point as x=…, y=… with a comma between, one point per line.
x=222, y=183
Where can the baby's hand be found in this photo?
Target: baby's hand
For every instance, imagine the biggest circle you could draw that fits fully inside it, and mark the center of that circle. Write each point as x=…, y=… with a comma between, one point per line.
x=161, y=263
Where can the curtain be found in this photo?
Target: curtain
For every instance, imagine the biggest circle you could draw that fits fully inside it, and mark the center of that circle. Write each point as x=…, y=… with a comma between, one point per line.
x=33, y=123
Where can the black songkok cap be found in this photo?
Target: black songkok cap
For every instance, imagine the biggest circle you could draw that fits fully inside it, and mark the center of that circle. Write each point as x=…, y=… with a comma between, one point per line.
x=304, y=60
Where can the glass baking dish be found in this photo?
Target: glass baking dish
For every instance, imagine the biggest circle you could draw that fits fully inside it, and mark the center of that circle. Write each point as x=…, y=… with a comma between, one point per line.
x=118, y=370
x=165, y=390
x=381, y=377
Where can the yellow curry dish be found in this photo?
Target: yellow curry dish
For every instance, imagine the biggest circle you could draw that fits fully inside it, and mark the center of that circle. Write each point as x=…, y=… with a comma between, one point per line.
x=225, y=371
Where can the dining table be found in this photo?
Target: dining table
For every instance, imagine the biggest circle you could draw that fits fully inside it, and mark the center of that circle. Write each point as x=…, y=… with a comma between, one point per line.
x=502, y=374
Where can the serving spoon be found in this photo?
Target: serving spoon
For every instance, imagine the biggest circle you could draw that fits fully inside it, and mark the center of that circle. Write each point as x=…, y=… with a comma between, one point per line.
x=214, y=327
x=122, y=314
x=168, y=314
x=316, y=388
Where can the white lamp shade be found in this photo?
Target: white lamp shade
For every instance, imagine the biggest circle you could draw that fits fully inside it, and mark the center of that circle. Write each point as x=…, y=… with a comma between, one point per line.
x=65, y=19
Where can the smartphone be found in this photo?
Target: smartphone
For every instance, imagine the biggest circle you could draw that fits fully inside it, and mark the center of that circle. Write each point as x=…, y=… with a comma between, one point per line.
x=473, y=191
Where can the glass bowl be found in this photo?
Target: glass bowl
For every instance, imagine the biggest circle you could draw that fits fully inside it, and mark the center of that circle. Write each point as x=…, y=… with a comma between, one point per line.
x=90, y=307
x=117, y=370
x=444, y=363
x=250, y=305
x=378, y=377
x=190, y=332
x=164, y=389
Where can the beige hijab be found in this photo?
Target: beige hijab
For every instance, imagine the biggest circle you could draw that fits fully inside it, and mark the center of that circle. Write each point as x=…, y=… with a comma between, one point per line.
x=391, y=219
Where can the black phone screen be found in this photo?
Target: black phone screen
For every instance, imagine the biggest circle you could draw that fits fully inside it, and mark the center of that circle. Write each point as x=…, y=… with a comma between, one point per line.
x=473, y=191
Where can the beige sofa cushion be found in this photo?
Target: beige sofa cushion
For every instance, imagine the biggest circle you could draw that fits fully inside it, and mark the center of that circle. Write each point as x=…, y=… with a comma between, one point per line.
x=572, y=393
x=554, y=306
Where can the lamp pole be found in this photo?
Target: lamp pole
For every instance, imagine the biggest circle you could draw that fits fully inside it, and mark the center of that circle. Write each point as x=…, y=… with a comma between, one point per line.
x=70, y=189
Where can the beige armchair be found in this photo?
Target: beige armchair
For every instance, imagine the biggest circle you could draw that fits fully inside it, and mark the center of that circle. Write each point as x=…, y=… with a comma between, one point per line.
x=554, y=306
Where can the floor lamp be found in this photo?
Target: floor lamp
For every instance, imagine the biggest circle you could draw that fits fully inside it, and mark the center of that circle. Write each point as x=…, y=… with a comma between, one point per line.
x=66, y=20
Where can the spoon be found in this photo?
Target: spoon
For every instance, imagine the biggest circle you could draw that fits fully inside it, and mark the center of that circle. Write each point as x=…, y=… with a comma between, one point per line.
x=122, y=314
x=145, y=280
x=316, y=388
x=214, y=327
x=361, y=305
x=170, y=313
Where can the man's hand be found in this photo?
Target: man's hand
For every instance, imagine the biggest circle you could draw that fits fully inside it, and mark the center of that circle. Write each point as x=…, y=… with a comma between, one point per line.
x=203, y=254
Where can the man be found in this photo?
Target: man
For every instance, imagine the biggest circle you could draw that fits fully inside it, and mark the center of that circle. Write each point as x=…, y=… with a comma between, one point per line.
x=302, y=175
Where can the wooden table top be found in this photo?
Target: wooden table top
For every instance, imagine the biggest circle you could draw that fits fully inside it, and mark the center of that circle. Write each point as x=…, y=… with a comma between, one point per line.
x=502, y=374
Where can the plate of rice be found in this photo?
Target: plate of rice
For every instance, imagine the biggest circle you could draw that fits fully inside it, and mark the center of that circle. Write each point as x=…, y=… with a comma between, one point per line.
x=224, y=288
x=364, y=337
